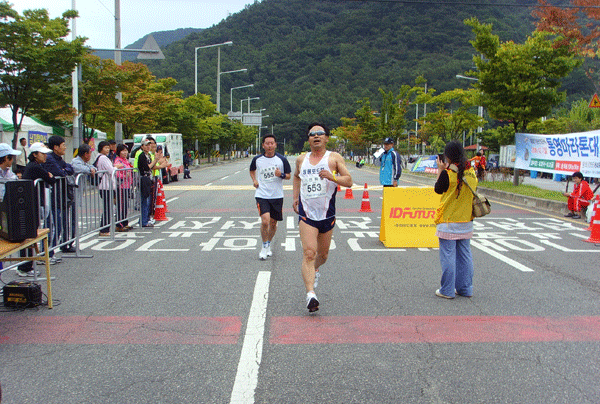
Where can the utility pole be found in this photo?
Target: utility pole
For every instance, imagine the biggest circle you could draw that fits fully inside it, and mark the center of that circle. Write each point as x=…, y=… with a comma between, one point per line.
x=118, y=125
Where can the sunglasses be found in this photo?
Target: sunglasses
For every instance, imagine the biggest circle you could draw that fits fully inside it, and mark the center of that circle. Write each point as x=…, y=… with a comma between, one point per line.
x=317, y=133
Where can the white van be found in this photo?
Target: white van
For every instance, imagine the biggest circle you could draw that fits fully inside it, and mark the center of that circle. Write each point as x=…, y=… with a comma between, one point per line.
x=172, y=145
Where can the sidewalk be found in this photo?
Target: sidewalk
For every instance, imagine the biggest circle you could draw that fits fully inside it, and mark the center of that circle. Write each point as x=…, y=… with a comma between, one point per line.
x=555, y=207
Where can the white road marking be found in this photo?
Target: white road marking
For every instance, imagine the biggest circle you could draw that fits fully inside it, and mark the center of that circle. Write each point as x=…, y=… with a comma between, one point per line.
x=501, y=257
x=566, y=249
x=246, y=378
x=172, y=199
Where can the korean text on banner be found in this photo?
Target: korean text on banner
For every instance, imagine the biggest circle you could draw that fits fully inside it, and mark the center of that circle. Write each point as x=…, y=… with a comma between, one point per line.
x=407, y=217
x=560, y=154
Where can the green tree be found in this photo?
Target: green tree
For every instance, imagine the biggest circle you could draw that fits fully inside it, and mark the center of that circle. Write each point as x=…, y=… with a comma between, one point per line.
x=192, y=111
x=519, y=83
x=146, y=101
x=97, y=94
x=35, y=60
x=451, y=116
x=393, y=112
x=352, y=135
x=367, y=121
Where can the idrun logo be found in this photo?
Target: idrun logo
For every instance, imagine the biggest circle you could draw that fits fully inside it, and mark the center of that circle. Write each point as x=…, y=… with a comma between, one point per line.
x=397, y=213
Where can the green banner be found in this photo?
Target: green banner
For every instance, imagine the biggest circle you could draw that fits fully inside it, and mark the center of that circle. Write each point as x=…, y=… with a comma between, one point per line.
x=536, y=163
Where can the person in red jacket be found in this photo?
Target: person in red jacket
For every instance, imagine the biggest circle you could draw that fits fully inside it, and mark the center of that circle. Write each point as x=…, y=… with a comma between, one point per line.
x=580, y=197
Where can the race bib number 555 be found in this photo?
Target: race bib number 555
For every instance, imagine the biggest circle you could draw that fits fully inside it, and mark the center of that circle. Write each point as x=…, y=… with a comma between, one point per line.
x=268, y=174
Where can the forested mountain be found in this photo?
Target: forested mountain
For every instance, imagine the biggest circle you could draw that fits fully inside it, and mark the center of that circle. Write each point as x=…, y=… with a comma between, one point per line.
x=313, y=60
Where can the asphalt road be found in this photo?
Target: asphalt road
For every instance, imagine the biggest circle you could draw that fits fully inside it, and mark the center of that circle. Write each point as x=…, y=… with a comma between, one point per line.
x=186, y=312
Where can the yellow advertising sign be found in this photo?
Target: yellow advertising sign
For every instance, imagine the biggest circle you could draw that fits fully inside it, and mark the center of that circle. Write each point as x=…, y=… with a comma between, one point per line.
x=407, y=217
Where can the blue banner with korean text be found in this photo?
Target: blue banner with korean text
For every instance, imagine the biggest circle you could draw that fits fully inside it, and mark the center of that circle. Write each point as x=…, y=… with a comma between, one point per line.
x=425, y=164
x=562, y=154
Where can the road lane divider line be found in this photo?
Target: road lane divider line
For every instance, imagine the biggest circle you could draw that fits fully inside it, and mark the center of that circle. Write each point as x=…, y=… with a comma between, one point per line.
x=501, y=257
x=246, y=378
x=567, y=249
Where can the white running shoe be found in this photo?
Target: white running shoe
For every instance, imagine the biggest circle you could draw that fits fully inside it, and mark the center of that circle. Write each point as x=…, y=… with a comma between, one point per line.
x=269, y=252
x=312, y=304
x=262, y=254
x=30, y=273
x=317, y=275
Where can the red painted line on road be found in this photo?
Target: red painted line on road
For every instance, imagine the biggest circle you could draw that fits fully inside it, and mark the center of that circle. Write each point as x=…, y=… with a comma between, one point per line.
x=119, y=330
x=431, y=329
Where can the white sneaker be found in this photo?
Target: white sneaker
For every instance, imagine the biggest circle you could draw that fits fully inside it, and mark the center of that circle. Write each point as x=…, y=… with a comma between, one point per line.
x=151, y=221
x=262, y=254
x=269, y=252
x=312, y=304
x=30, y=273
x=317, y=275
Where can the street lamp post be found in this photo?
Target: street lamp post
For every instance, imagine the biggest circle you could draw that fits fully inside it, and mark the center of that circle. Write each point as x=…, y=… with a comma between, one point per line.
x=479, y=108
x=218, y=45
x=248, y=99
x=232, y=71
x=231, y=95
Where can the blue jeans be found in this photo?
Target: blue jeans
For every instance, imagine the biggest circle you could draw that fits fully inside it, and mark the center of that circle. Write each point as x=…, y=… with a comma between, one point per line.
x=457, y=267
x=145, y=215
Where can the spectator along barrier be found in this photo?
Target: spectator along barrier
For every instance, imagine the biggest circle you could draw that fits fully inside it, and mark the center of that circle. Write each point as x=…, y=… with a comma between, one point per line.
x=75, y=208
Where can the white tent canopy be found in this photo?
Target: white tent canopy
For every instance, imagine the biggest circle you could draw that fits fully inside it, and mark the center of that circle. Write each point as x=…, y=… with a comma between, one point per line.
x=27, y=125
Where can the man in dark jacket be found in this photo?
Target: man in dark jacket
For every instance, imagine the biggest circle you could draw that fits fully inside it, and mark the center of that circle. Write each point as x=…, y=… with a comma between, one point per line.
x=187, y=160
x=63, y=195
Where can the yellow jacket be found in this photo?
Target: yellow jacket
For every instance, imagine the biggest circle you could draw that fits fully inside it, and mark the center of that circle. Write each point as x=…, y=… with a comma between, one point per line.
x=455, y=209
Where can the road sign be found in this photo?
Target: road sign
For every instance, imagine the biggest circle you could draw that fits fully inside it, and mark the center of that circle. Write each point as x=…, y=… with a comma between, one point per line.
x=595, y=103
x=151, y=48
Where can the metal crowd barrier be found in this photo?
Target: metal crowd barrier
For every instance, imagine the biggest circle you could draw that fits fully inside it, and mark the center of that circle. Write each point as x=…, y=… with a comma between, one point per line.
x=76, y=208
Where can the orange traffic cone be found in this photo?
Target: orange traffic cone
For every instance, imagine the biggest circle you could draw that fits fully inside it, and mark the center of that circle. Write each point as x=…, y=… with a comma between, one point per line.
x=159, y=209
x=348, y=194
x=365, y=206
x=595, y=226
x=160, y=188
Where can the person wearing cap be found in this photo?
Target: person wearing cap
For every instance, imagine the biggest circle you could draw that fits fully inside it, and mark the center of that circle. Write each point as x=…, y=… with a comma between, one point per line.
x=112, y=154
x=63, y=199
x=6, y=160
x=35, y=170
x=391, y=164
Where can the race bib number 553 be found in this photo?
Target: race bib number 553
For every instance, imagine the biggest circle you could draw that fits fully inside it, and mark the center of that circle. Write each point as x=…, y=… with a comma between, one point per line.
x=314, y=187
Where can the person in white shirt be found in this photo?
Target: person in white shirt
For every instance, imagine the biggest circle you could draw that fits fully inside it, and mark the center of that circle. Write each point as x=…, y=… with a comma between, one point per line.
x=22, y=156
x=7, y=154
x=268, y=170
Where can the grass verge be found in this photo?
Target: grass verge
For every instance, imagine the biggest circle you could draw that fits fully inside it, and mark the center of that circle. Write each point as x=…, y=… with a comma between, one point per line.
x=527, y=190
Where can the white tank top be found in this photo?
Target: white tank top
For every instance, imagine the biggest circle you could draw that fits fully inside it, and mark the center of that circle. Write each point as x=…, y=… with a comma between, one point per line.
x=317, y=195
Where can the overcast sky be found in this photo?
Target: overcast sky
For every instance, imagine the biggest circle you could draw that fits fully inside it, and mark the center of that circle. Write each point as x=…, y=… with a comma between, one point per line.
x=138, y=17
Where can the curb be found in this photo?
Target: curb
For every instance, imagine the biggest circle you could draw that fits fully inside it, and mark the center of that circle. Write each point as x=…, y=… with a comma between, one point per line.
x=546, y=205
x=526, y=201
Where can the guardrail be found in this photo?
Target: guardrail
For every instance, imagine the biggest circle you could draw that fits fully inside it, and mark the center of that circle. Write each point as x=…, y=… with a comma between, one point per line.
x=76, y=208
